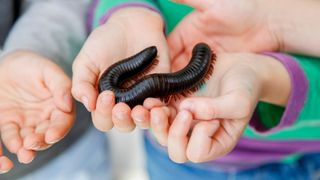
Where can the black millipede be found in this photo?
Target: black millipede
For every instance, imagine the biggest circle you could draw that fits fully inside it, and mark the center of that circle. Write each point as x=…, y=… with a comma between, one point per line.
x=157, y=85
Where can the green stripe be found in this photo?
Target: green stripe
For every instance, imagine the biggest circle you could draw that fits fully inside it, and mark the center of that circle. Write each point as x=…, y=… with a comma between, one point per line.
x=105, y=5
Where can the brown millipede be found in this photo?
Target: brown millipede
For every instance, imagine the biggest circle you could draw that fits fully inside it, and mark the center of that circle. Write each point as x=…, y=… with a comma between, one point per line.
x=158, y=85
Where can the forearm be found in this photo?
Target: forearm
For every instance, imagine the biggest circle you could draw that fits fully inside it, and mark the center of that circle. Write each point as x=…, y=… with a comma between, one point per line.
x=301, y=109
x=275, y=79
x=296, y=24
x=54, y=29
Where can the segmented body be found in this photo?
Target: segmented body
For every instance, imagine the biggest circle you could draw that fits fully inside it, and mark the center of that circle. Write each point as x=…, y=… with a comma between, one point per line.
x=159, y=85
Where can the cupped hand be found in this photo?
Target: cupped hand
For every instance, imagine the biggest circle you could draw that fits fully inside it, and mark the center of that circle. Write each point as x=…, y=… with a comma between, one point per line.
x=36, y=106
x=209, y=123
x=127, y=32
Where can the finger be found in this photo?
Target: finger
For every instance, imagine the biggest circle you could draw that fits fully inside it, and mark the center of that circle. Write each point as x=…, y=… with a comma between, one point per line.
x=141, y=117
x=159, y=119
x=31, y=140
x=200, y=142
x=150, y=103
x=96, y=55
x=163, y=54
x=121, y=117
x=175, y=43
x=172, y=114
x=25, y=156
x=5, y=164
x=178, y=137
x=229, y=106
x=83, y=84
x=34, y=141
x=102, y=116
x=200, y=5
x=59, y=85
x=41, y=128
x=60, y=125
x=10, y=135
x=25, y=131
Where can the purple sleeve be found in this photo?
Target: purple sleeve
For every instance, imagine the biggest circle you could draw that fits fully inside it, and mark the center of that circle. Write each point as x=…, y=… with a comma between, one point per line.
x=90, y=17
x=297, y=98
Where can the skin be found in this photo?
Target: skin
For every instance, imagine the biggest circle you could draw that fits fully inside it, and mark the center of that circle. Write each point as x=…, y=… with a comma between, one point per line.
x=109, y=43
x=36, y=106
x=208, y=124
x=243, y=78
x=248, y=26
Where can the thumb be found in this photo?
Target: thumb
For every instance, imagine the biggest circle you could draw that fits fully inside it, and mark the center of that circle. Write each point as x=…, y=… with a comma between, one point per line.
x=164, y=59
x=229, y=106
x=175, y=43
x=198, y=4
x=59, y=85
x=83, y=86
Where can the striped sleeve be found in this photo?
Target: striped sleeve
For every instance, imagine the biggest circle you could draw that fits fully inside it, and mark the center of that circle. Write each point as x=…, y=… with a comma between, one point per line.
x=101, y=10
x=302, y=110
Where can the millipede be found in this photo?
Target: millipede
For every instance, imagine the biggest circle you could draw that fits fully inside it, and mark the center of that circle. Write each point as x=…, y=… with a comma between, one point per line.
x=119, y=76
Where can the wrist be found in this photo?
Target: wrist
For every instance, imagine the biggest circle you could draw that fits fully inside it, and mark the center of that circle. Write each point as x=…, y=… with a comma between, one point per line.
x=275, y=80
x=137, y=17
x=275, y=22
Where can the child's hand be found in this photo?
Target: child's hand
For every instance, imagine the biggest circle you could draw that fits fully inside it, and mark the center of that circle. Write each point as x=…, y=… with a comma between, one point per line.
x=127, y=32
x=36, y=105
x=227, y=25
x=209, y=126
x=5, y=163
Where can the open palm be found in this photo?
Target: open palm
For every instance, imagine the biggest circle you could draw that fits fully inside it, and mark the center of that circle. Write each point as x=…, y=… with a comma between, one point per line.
x=35, y=104
x=226, y=25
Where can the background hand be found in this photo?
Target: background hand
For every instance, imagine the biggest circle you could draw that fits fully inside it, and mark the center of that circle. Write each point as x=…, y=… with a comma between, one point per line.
x=226, y=25
x=36, y=107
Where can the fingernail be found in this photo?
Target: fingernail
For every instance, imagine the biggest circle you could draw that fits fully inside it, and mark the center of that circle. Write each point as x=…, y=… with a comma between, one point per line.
x=85, y=101
x=107, y=99
x=4, y=171
x=29, y=161
x=138, y=119
x=121, y=116
x=53, y=141
x=35, y=146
